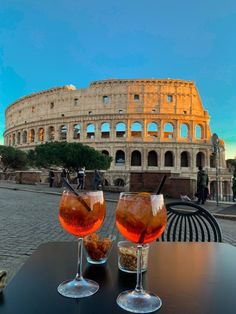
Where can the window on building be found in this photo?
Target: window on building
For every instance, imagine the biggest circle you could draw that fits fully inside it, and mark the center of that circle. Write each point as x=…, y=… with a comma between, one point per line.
x=136, y=129
x=184, y=130
x=169, y=98
x=120, y=157
x=152, y=159
x=106, y=99
x=76, y=101
x=169, y=160
x=136, y=158
x=63, y=132
x=52, y=105
x=91, y=131
x=120, y=111
x=168, y=130
x=152, y=129
x=33, y=109
x=51, y=133
x=105, y=130
x=136, y=98
x=76, y=132
x=120, y=129
x=31, y=136
x=184, y=159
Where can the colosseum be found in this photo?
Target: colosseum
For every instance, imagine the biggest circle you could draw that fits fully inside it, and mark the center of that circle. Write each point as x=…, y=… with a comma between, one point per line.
x=150, y=127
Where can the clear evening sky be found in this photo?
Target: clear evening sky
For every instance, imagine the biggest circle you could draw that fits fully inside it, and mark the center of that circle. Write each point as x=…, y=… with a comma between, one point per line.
x=49, y=43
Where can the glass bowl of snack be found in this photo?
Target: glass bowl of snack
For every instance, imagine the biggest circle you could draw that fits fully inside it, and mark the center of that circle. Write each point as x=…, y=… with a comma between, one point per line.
x=127, y=257
x=98, y=247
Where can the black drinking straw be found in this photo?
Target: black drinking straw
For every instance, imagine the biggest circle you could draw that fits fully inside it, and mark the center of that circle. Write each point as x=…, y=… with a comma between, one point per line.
x=157, y=191
x=71, y=189
x=159, y=188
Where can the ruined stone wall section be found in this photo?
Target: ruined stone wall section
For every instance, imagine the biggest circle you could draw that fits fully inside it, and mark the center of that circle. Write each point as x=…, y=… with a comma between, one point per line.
x=160, y=101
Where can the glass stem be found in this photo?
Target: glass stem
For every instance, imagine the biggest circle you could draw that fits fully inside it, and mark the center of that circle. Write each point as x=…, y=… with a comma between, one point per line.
x=79, y=275
x=139, y=286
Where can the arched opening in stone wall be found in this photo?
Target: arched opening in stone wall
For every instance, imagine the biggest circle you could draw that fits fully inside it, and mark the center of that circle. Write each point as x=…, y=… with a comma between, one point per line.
x=225, y=188
x=152, y=129
x=76, y=131
x=136, y=159
x=24, y=137
x=198, y=131
x=31, y=136
x=91, y=131
x=14, y=139
x=169, y=159
x=119, y=182
x=184, y=159
x=120, y=157
x=63, y=132
x=18, y=138
x=184, y=130
x=168, y=130
x=105, y=152
x=120, y=129
x=152, y=159
x=105, y=130
x=41, y=135
x=51, y=133
x=212, y=160
x=200, y=160
x=136, y=129
x=9, y=140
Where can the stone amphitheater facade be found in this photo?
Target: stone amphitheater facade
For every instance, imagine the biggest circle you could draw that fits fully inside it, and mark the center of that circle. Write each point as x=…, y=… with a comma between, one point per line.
x=146, y=125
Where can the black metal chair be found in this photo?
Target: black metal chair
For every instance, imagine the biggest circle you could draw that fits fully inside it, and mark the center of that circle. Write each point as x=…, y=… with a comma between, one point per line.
x=190, y=222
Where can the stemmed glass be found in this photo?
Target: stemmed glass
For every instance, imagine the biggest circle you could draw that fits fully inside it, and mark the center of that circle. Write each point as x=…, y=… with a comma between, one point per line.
x=80, y=215
x=141, y=218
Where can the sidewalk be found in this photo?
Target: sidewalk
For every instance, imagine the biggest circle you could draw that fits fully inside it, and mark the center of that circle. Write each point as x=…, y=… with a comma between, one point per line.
x=225, y=210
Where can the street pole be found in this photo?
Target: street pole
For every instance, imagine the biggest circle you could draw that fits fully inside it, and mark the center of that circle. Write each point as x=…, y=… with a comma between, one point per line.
x=215, y=143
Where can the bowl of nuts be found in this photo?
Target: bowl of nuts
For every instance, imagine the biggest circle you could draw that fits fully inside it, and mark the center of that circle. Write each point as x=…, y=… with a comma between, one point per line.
x=98, y=248
x=127, y=257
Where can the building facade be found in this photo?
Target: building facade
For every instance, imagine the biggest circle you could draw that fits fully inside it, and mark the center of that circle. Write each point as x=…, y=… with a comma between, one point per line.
x=148, y=126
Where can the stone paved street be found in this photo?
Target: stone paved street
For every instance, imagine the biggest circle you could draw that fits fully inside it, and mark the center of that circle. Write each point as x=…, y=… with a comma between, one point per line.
x=28, y=219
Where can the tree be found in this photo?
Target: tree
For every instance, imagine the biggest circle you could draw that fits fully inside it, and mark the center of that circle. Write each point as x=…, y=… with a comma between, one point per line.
x=12, y=158
x=69, y=155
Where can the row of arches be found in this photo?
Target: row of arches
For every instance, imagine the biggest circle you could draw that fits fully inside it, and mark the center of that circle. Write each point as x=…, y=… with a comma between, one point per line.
x=153, y=159
x=136, y=130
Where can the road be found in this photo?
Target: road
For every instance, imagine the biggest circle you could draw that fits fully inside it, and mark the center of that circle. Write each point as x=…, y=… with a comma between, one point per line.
x=28, y=219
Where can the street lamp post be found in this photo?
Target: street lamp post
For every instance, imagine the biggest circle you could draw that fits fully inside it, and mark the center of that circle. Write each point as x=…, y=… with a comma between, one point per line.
x=215, y=143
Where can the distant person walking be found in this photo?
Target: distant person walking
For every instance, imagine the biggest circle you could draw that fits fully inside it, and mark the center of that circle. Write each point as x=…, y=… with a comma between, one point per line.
x=80, y=178
x=51, y=177
x=202, y=183
x=234, y=188
x=97, y=180
x=63, y=176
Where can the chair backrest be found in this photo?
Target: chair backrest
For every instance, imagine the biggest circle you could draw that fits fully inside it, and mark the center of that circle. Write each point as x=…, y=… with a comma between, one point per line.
x=190, y=222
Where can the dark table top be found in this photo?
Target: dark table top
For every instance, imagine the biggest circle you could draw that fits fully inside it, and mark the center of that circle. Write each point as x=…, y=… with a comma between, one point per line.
x=189, y=277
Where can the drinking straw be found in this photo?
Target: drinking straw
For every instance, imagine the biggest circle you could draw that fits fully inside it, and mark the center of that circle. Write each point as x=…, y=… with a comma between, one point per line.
x=159, y=188
x=71, y=189
x=157, y=191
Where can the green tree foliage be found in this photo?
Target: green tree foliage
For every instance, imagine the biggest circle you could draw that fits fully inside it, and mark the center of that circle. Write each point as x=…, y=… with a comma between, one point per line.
x=12, y=158
x=69, y=155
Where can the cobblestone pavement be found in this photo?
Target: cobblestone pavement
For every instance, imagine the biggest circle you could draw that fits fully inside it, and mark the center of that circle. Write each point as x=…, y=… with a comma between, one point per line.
x=28, y=219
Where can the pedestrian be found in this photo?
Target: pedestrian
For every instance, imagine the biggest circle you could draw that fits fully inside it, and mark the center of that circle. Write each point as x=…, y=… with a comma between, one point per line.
x=80, y=178
x=51, y=178
x=202, y=183
x=97, y=180
x=234, y=188
x=63, y=176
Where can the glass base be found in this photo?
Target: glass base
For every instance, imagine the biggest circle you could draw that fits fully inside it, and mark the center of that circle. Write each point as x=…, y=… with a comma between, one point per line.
x=138, y=302
x=78, y=288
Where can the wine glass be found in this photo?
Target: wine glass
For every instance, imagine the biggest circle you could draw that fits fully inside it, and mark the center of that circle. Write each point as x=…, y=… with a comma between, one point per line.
x=141, y=218
x=80, y=215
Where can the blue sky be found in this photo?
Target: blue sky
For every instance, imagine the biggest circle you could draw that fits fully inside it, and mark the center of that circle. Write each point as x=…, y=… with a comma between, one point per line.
x=44, y=44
